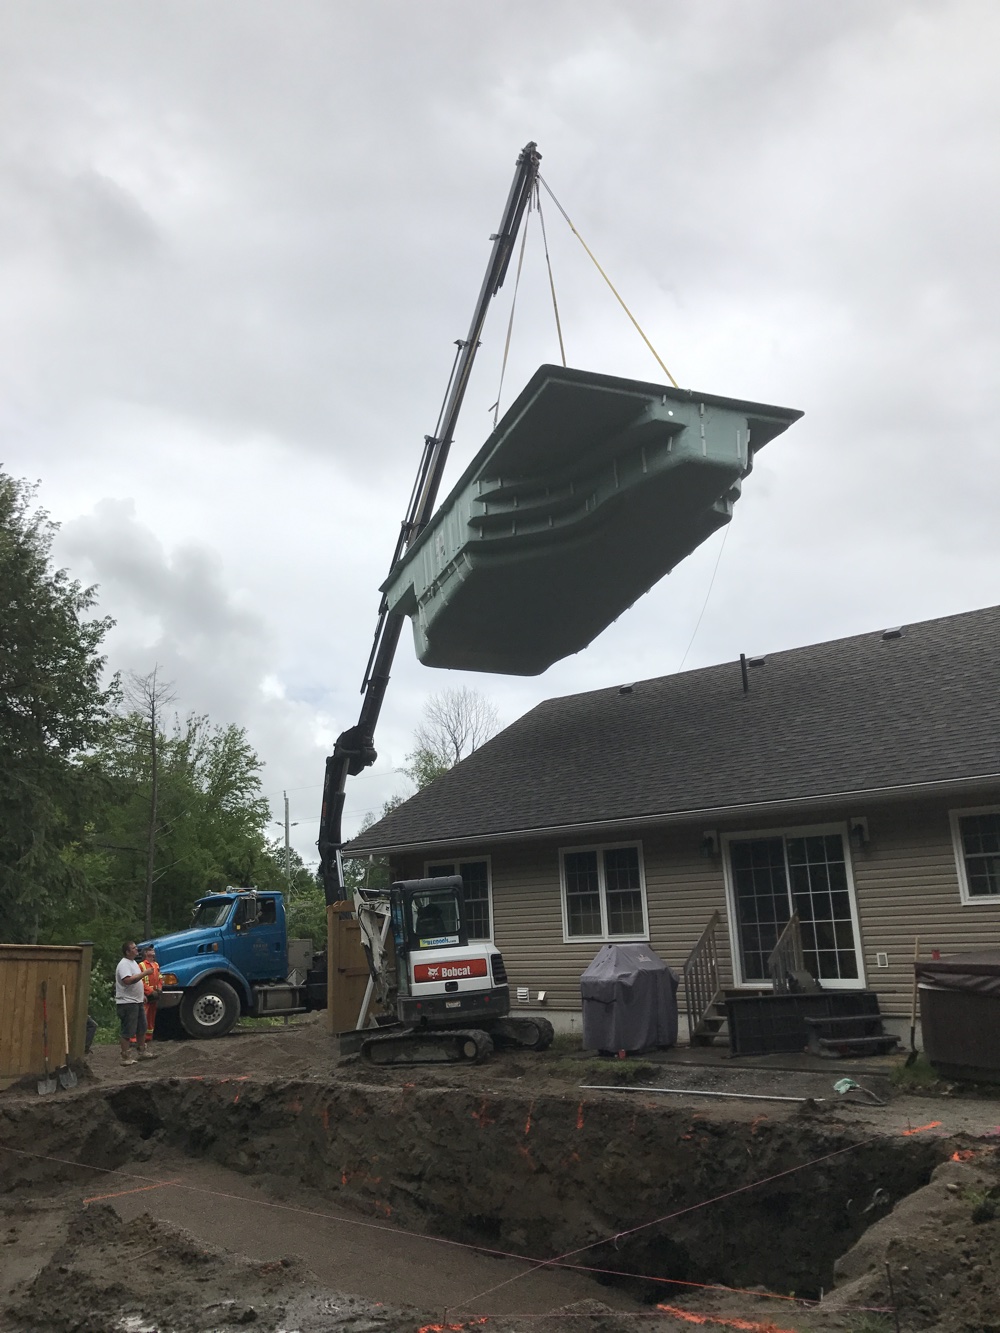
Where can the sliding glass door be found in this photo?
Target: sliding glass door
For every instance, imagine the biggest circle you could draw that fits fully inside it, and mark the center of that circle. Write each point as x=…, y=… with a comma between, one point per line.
x=775, y=874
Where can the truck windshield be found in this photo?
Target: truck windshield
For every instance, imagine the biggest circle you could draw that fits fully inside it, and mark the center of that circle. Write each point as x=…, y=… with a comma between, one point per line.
x=211, y=913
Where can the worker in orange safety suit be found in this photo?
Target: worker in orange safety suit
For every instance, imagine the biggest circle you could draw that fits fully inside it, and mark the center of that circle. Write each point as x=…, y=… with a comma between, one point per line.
x=151, y=988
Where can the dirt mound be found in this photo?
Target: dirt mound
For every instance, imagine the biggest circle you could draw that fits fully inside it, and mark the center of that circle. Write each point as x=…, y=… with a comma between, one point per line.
x=146, y=1275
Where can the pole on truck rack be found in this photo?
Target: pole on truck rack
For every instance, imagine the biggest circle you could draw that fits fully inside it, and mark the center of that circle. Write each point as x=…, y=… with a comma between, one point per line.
x=288, y=866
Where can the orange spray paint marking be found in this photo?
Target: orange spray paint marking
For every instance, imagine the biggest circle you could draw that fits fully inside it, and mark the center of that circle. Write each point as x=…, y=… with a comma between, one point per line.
x=931, y=1124
x=579, y=1116
x=236, y=1099
x=453, y=1328
x=747, y=1325
x=757, y=1120
x=527, y=1123
x=963, y=1155
x=482, y=1116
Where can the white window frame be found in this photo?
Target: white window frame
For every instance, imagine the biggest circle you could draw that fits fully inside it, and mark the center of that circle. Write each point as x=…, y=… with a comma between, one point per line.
x=604, y=937
x=794, y=831
x=458, y=862
x=969, y=899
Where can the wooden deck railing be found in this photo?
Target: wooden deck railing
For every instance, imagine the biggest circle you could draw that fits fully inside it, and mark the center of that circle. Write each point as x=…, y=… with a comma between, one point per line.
x=701, y=977
x=786, y=957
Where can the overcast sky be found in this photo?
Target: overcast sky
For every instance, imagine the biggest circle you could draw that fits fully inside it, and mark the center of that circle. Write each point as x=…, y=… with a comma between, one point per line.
x=238, y=241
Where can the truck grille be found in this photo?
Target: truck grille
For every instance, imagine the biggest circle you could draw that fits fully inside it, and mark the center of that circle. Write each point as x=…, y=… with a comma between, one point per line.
x=498, y=969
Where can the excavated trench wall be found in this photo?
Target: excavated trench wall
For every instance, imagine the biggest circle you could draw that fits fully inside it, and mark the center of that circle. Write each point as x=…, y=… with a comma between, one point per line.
x=743, y=1202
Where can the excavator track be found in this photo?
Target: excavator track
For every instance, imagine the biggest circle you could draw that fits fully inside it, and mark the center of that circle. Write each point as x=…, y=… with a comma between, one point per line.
x=417, y=1046
x=531, y=1034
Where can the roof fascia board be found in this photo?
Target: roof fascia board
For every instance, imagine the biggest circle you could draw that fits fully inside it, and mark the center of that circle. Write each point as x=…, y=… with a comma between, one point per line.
x=952, y=786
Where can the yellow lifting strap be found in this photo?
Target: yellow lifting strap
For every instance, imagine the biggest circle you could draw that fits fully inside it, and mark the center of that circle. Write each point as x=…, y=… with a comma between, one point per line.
x=600, y=270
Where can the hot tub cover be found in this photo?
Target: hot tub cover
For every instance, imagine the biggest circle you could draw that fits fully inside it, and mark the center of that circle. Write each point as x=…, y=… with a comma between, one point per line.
x=977, y=972
x=589, y=490
x=629, y=1000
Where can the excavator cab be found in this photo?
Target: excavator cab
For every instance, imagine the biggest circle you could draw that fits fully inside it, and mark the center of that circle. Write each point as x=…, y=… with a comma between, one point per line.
x=428, y=914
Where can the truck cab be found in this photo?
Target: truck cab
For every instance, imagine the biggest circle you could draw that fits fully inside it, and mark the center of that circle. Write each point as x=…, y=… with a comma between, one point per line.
x=235, y=958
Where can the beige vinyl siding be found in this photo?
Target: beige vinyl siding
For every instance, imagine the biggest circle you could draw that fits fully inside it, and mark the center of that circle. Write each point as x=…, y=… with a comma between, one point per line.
x=905, y=881
x=683, y=889
x=907, y=886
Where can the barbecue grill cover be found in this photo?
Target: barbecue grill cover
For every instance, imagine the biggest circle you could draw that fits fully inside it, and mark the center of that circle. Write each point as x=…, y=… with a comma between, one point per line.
x=629, y=1000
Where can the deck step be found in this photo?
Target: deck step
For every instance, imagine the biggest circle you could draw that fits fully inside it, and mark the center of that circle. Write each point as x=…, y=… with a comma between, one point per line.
x=860, y=1034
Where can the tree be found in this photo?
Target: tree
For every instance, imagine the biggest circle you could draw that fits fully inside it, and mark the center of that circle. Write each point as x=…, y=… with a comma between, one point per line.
x=148, y=697
x=455, y=723
x=54, y=707
x=211, y=820
x=370, y=872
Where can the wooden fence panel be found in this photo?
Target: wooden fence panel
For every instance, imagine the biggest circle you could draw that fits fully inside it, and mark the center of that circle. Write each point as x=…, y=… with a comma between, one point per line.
x=23, y=968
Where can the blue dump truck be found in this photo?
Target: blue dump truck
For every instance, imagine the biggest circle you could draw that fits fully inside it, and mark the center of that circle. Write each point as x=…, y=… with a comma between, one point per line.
x=235, y=959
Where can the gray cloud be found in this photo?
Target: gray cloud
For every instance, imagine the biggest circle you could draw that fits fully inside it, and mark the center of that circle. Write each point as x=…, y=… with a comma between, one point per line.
x=236, y=246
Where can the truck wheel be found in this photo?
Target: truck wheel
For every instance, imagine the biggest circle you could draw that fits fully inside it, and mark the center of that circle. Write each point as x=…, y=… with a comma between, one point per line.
x=210, y=1011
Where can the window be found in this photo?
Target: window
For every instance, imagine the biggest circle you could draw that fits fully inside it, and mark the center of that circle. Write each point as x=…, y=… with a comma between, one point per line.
x=434, y=917
x=604, y=894
x=773, y=875
x=976, y=835
x=475, y=893
x=255, y=912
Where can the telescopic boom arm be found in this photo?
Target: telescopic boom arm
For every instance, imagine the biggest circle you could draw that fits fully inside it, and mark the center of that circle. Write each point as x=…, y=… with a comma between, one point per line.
x=355, y=748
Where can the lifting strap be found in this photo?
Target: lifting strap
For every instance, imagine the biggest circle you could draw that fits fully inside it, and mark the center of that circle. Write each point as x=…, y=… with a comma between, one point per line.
x=600, y=270
x=548, y=265
x=513, y=306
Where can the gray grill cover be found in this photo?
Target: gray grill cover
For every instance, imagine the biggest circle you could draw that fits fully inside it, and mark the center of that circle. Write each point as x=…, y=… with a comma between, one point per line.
x=629, y=1000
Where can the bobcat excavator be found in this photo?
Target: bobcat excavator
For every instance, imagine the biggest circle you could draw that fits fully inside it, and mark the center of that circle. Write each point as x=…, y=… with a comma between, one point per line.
x=442, y=998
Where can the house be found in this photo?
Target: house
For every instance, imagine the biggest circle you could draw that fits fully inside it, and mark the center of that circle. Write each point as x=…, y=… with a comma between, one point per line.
x=857, y=781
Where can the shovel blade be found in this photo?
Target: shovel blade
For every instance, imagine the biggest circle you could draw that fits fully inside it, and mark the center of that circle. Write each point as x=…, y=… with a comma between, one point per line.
x=46, y=1085
x=67, y=1079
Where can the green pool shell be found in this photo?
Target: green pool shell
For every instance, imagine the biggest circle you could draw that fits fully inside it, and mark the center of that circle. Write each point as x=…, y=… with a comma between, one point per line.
x=589, y=491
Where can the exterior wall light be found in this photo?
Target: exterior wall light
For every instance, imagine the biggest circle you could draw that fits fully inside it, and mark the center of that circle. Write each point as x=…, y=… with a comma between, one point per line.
x=858, y=830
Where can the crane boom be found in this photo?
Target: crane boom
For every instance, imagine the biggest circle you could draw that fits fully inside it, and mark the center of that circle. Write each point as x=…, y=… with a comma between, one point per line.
x=354, y=749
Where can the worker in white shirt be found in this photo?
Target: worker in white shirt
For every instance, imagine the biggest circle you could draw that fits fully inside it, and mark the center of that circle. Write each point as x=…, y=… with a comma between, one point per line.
x=129, y=1001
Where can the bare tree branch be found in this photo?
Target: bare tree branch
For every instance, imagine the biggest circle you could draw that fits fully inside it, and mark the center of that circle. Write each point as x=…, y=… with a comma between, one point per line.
x=455, y=723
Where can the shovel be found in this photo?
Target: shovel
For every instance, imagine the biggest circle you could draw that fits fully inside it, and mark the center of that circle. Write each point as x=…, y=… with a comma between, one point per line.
x=48, y=1083
x=67, y=1079
x=912, y=1057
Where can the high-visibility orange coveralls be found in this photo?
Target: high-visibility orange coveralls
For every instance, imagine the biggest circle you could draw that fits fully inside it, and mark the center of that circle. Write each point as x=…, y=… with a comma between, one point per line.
x=151, y=987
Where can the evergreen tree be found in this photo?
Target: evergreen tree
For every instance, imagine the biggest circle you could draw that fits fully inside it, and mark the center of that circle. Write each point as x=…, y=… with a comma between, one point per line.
x=53, y=710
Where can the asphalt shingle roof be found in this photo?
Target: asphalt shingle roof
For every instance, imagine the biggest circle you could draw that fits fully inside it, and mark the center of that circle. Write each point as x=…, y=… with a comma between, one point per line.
x=858, y=714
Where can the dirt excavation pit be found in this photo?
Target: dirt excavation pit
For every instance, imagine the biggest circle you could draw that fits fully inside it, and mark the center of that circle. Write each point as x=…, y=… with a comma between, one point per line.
x=216, y=1204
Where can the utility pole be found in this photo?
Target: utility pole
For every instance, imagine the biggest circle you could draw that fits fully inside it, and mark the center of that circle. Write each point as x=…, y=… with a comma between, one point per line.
x=288, y=862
